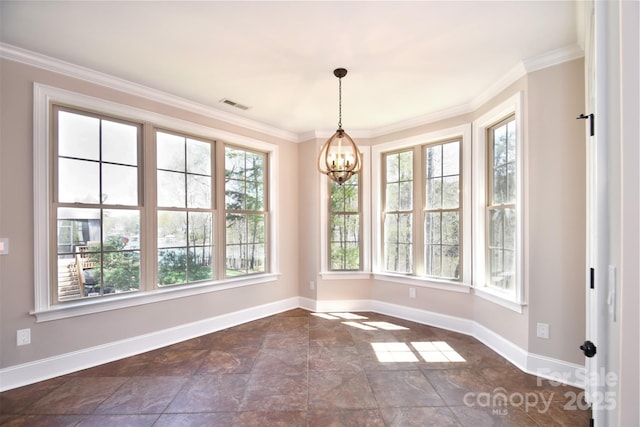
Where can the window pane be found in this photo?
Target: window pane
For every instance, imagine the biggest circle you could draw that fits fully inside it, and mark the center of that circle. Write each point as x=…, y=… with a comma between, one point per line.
x=406, y=166
x=496, y=232
x=502, y=237
x=235, y=194
x=451, y=158
x=500, y=185
x=344, y=198
x=434, y=161
x=255, y=196
x=200, y=263
x=510, y=193
x=451, y=192
x=450, y=228
x=511, y=140
x=200, y=229
x=119, y=143
x=432, y=228
x=499, y=146
x=245, y=249
x=121, y=272
x=77, y=227
x=172, y=266
x=119, y=185
x=509, y=229
x=198, y=157
x=397, y=244
x=256, y=228
x=393, y=168
x=433, y=260
x=171, y=189
x=78, y=181
x=337, y=232
x=406, y=195
x=198, y=191
x=234, y=163
x=170, y=152
x=404, y=261
x=451, y=261
x=172, y=229
x=434, y=193
x=78, y=136
x=121, y=229
x=392, y=197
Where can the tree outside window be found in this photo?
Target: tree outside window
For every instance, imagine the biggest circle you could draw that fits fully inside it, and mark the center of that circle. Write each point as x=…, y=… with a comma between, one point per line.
x=344, y=225
x=245, y=212
x=442, y=211
x=185, y=217
x=398, y=212
x=501, y=209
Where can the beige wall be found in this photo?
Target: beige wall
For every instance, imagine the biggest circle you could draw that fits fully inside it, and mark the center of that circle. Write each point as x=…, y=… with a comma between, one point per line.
x=554, y=213
x=554, y=221
x=16, y=222
x=557, y=205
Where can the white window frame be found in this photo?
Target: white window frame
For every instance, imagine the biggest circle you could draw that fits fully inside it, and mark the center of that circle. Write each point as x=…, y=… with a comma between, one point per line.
x=44, y=97
x=365, y=242
x=515, y=299
x=463, y=133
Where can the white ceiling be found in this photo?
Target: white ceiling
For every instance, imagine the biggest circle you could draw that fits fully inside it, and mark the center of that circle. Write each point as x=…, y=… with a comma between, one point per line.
x=406, y=60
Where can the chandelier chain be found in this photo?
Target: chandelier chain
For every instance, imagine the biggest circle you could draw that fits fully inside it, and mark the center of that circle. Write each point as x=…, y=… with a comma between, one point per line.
x=340, y=103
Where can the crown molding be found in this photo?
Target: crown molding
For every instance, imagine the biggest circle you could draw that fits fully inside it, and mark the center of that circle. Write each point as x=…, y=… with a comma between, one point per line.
x=89, y=75
x=554, y=57
x=548, y=59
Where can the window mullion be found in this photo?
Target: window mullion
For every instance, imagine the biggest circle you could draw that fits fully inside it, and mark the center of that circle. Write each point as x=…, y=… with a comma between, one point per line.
x=419, y=205
x=148, y=234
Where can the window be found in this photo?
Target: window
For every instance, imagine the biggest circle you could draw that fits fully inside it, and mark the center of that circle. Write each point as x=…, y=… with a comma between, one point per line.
x=501, y=205
x=128, y=213
x=442, y=210
x=185, y=218
x=96, y=205
x=423, y=237
x=398, y=212
x=344, y=225
x=246, y=216
x=498, y=202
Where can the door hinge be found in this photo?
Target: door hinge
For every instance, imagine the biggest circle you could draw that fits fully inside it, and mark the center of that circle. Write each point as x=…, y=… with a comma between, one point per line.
x=592, y=280
x=592, y=122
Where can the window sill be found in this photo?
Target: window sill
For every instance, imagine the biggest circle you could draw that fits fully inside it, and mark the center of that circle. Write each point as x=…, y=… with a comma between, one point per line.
x=424, y=282
x=91, y=306
x=501, y=298
x=345, y=275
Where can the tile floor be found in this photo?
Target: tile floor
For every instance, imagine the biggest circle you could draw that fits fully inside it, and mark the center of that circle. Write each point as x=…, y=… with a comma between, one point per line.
x=300, y=369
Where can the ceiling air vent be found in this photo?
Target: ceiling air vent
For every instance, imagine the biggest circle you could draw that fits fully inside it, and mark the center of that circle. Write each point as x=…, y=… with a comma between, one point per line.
x=234, y=104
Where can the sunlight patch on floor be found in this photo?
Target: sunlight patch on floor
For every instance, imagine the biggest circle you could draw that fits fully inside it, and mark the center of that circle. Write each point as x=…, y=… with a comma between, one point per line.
x=430, y=351
x=393, y=352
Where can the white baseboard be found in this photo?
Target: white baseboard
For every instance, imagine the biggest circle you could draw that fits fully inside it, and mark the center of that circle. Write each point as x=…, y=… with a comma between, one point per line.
x=29, y=373
x=557, y=370
x=39, y=370
x=542, y=366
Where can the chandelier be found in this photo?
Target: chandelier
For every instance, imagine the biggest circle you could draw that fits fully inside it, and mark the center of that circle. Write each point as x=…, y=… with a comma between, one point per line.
x=339, y=158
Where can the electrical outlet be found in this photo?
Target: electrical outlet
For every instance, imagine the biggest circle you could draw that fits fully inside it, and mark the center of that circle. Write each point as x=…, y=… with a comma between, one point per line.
x=23, y=337
x=312, y=285
x=543, y=330
x=412, y=292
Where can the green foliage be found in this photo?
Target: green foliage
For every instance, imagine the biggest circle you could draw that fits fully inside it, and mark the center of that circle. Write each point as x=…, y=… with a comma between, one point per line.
x=174, y=267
